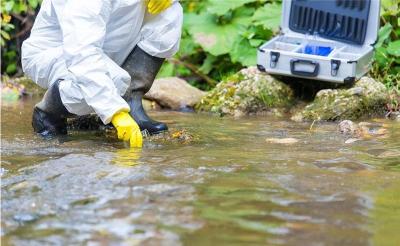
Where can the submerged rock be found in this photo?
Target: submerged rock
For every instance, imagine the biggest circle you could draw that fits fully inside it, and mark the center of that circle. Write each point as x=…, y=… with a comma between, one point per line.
x=394, y=116
x=348, y=127
x=367, y=97
x=178, y=136
x=25, y=217
x=174, y=93
x=93, y=123
x=248, y=91
x=282, y=140
x=362, y=130
x=89, y=122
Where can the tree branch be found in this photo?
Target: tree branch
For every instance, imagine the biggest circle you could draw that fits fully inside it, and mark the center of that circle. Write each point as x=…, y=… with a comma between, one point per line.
x=195, y=70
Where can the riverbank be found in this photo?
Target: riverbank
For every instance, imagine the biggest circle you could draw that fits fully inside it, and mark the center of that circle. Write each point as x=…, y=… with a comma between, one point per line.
x=253, y=92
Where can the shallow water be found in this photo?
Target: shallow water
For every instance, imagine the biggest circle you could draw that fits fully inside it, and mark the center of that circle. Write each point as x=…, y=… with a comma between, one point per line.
x=228, y=186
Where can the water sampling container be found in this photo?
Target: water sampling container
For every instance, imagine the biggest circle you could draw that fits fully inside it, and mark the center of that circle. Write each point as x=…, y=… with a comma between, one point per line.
x=330, y=40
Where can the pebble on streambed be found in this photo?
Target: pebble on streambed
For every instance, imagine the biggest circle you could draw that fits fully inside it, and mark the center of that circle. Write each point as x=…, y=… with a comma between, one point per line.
x=282, y=140
x=362, y=130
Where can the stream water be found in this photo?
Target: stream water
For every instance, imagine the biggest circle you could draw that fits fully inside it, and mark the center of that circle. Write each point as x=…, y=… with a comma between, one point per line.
x=228, y=186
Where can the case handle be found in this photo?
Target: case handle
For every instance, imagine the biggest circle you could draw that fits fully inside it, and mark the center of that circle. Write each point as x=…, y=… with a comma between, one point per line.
x=304, y=67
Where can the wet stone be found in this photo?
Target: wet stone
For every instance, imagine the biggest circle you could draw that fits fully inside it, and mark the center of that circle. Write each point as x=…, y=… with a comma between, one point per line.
x=23, y=218
x=365, y=99
x=174, y=93
x=173, y=136
x=348, y=127
x=247, y=92
x=282, y=140
x=363, y=130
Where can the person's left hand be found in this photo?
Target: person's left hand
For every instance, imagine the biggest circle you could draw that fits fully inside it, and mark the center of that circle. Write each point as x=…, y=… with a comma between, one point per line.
x=157, y=6
x=127, y=129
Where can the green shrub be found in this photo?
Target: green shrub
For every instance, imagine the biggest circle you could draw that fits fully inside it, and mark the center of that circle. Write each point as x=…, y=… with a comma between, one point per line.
x=221, y=37
x=386, y=67
x=16, y=20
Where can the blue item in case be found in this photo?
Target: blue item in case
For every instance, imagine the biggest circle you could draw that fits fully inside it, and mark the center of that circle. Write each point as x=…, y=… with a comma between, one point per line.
x=317, y=50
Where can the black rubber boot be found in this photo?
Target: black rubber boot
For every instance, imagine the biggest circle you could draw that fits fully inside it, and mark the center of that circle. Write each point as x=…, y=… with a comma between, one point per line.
x=143, y=69
x=50, y=115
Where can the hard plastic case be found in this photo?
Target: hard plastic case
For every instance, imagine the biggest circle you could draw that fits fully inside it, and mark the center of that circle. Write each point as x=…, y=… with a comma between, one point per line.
x=348, y=27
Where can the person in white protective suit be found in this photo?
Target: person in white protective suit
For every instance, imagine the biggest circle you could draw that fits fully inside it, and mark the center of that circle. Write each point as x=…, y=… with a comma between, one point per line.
x=100, y=56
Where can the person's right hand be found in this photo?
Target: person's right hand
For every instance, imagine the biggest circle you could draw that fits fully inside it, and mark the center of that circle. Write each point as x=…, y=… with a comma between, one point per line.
x=127, y=129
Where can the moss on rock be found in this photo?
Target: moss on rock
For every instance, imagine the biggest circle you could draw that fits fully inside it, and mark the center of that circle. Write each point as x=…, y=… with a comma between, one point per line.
x=31, y=88
x=366, y=98
x=248, y=91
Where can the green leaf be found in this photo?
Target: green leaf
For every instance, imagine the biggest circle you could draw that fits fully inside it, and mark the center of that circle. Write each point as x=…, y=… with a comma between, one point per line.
x=11, y=68
x=384, y=34
x=269, y=16
x=389, y=7
x=8, y=6
x=187, y=46
x=20, y=7
x=381, y=56
x=256, y=42
x=215, y=38
x=5, y=35
x=208, y=63
x=167, y=70
x=33, y=3
x=243, y=52
x=394, y=48
x=221, y=7
x=11, y=54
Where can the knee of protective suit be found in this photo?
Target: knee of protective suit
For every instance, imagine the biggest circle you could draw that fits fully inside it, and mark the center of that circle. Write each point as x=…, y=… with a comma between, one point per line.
x=31, y=67
x=161, y=34
x=43, y=67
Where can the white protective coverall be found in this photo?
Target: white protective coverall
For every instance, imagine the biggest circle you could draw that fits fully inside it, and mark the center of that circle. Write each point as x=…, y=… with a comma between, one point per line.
x=84, y=42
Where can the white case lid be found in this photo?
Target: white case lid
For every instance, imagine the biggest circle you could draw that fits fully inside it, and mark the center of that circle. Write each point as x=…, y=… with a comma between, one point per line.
x=372, y=27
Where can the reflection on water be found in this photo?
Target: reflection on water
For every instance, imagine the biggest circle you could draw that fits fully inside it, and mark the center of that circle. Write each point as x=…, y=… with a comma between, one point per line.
x=228, y=186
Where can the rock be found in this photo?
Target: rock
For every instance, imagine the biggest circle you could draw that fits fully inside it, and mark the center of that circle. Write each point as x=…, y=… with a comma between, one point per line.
x=362, y=130
x=390, y=154
x=394, y=115
x=282, y=140
x=367, y=97
x=10, y=93
x=177, y=136
x=25, y=217
x=24, y=85
x=351, y=140
x=89, y=122
x=174, y=93
x=248, y=91
x=150, y=105
x=348, y=127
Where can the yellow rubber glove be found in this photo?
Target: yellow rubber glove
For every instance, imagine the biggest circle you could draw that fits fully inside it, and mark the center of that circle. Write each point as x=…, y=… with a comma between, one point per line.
x=127, y=129
x=157, y=6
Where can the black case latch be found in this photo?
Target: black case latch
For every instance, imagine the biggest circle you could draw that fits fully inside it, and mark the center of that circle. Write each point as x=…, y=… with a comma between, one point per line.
x=335, y=64
x=274, y=58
